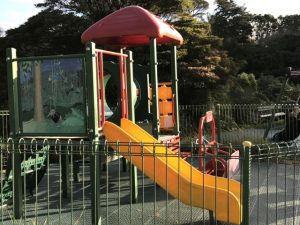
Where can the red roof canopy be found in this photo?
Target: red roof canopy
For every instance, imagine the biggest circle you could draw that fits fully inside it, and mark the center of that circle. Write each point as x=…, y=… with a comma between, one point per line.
x=131, y=26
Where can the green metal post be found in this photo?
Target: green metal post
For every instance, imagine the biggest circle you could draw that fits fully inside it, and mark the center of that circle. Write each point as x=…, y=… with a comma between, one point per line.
x=12, y=72
x=131, y=116
x=65, y=171
x=246, y=169
x=175, y=89
x=154, y=81
x=92, y=100
x=12, y=75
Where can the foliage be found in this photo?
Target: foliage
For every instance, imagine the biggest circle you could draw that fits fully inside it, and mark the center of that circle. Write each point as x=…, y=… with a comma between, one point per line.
x=48, y=33
x=94, y=10
x=264, y=26
x=235, y=57
x=231, y=22
x=202, y=66
x=245, y=89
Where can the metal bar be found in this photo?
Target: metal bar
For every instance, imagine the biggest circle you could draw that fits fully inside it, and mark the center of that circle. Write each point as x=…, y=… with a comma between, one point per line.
x=65, y=173
x=154, y=81
x=50, y=57
x=246, y=182
x=95, y=182
x=175, y=89
x=83, y=179
x=131, y=116
x=111, y=53
x=100, y=90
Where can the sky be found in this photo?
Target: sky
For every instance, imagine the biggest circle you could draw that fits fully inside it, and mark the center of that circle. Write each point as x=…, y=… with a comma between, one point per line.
x=16, y=12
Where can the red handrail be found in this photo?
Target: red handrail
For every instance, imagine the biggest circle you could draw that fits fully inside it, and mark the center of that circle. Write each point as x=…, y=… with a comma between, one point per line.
x=100, y=84
x=208, y=118
x=111, y=53
x=101, y=91
x=123, y=87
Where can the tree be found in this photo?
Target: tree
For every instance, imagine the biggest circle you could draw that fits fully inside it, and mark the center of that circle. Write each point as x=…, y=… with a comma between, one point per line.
x=203, y=68
x=289, y=24
x=49, y=32
x=93, y=10
x=231, y=22
x=264, y=26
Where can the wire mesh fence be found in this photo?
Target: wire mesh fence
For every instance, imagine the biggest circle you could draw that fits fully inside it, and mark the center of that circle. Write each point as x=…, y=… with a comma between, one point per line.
x=235, y=122
x=53, y=181
x=275, y=180
x=56, y=184
x=4, y=124
x=238, y=122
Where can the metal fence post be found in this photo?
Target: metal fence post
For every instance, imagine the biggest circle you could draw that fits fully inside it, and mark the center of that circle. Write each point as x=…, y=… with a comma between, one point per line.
x=246, y=168
x=131, y=116
x=12, y=71
x=93, y=129
x=95, y=181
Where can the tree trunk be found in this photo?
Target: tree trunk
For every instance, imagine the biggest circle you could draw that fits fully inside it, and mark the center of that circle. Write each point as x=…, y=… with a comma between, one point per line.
x=38, y=101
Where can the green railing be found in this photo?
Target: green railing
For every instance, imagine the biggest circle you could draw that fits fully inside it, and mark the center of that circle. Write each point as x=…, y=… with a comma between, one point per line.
x=56, y=177
x=4, y=124
x=238, y=122
x=275, y=179
x=235, y=123
x=56, y=183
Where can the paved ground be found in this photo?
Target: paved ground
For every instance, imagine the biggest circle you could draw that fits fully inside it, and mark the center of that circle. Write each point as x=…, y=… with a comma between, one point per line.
x=276, y=199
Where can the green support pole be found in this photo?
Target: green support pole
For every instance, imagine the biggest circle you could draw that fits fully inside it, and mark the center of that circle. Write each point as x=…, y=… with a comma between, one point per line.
x=154, y=81
x=12, y=71
x=65, y=172
x=131, y=116
x=246, y=169
x=175, y=89
x=92, y=100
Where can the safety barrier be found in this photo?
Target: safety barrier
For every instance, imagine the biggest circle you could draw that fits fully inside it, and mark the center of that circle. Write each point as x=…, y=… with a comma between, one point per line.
x=275, y=180
x=57, y=178
x=235, y=122
x=4, y=124
x=258, y=123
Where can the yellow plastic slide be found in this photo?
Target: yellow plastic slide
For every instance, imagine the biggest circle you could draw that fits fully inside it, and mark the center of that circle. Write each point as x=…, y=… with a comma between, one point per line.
x=175, y=175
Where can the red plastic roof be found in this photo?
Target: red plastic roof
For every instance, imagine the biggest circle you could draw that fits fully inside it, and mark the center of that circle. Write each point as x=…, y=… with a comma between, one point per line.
x=131, y=26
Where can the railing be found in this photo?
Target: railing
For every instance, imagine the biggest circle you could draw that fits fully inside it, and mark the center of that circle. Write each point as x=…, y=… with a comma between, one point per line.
x=4, y=124
x=275, y=182
x=235, y=123
x=58, y=178
x=238, y=122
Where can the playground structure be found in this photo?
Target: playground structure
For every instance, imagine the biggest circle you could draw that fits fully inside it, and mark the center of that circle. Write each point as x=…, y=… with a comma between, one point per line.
x=217, y=165
x=64, y=96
